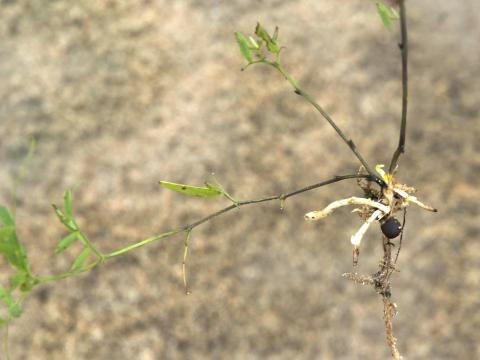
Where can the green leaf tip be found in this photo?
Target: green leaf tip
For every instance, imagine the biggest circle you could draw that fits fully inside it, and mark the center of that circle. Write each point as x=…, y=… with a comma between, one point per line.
x=387, y=14
x=243, y=44
x=209, y=190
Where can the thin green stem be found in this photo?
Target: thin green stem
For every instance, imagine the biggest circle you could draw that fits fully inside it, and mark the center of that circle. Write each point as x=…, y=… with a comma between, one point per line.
x=50, y=278
x=311, y=100
x=142, y=243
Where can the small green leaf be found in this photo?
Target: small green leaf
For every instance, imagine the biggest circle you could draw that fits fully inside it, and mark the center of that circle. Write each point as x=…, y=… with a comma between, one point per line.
x=67, y=221
x=13, y=251
x=207, y=191
x=388, y=15
x=66, y=242
x=272, y=45
x=67, y=203
x=243, y=45
x=5, y=217
x=77, y=264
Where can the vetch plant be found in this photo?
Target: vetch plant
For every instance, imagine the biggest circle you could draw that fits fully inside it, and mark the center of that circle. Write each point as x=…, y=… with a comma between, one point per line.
x=383, y=198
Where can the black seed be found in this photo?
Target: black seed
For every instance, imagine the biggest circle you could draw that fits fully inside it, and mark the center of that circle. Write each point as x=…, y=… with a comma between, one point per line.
x=391, y=228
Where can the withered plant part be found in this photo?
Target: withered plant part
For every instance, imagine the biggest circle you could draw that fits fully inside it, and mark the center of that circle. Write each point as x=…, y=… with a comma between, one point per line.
x=383, y=198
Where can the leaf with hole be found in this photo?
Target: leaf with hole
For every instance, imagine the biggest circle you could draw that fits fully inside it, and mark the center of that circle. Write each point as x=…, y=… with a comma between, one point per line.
x=208, y=191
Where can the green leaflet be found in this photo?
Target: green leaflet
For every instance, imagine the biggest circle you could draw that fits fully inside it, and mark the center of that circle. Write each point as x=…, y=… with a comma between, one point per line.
x=244, y=46
x=387, y=14
x=13, y=251
x=77, y=264
x=66, y=242
x=209, y=190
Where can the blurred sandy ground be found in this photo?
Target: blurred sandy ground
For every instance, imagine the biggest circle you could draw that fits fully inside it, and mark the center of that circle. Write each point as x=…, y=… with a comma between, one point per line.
x=121, y=94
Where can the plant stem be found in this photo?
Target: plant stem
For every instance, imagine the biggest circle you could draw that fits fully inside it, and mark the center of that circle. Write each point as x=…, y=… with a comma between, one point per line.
x=50, y=278
x=88, y=244
x=188, y=228
x=311, y=100
x=404, y=52
x=142, y=243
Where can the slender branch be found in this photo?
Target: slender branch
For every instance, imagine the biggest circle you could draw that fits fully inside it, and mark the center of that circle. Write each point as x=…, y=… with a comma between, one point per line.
x=404, y=52
x=275, y=197
x=190, y=227
x=311, y=100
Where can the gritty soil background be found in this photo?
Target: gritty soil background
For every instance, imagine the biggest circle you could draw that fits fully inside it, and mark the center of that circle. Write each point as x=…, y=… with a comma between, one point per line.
x=121, y=94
